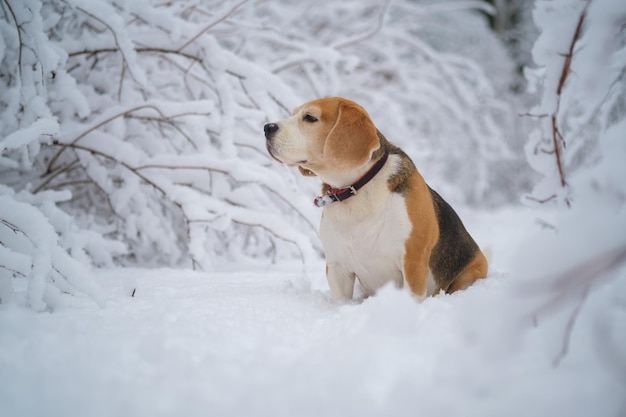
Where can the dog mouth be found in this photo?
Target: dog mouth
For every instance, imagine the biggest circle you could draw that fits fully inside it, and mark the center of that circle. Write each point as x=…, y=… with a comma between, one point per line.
x=275, y=155
x=272, y=152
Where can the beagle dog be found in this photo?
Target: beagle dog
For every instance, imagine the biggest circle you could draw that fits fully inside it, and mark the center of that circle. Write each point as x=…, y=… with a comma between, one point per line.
x=381, y=222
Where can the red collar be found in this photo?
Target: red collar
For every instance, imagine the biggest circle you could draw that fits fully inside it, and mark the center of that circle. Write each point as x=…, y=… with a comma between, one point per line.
x=340, y=194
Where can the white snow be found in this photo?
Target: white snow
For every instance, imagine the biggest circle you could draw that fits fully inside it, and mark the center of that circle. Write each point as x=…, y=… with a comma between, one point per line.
x=264, y=343
x=42, y=127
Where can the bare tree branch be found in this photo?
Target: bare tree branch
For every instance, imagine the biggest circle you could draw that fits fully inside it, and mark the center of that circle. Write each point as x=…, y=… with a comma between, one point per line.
x=557, y=139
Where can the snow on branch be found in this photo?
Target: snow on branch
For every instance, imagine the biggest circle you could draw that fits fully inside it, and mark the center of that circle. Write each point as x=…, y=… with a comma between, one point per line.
x=575, y=105
x=30, y=251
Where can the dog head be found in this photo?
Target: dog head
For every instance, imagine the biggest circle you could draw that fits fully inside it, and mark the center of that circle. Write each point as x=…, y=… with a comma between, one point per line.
x=330, y=137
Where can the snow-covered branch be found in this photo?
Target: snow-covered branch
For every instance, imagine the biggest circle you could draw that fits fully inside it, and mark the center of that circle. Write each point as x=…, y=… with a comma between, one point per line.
x=574, y=108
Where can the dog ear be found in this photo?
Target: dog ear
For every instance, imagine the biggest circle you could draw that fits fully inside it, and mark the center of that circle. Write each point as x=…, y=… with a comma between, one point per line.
x=306, y=172
x=352, y=140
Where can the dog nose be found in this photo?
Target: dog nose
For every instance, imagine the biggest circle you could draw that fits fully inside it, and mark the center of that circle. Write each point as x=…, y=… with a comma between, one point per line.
x=270, y=129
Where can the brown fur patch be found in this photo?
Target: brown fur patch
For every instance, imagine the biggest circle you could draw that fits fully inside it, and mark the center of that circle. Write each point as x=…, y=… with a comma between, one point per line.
x=424, y=233
x=352, y=139
x=475, y=270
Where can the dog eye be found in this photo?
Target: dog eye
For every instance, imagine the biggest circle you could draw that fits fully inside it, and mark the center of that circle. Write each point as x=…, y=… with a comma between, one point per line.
x=309, y=118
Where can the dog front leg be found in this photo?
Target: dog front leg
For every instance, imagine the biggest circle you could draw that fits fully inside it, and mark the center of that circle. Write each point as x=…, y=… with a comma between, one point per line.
x=416, y=271
x=340, y=281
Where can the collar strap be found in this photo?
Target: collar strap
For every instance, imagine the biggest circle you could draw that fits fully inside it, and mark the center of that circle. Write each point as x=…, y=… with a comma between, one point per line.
x=340, y=194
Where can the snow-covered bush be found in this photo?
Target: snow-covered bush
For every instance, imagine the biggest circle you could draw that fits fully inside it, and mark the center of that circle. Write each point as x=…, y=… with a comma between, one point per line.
x=580, y=151
x=147, y=116
x=160, y=137
x=40, y=244
x=32, y=249
x=582, y=83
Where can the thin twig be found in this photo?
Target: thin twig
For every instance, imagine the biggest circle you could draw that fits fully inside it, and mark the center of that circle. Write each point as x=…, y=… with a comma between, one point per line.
x=211, y=25
x=290, y=64
x=540, y=200
x=380, y=24
x=19, y=37
x=279, y=103
x=121, y=83
x=187, y=71
x=15, y=229
x=529, y=114
x=113, y=32
x=557, y=144
x=227, y=173
x=54, y=175
x=106, y=195
x=11, y=226
x=557, y=139
x=111, y=158
x=53, y=160
x=129, y=168
x=15, y=272
x=171, y=123
x=273, y=233
x=138, y=50
x=569, y=327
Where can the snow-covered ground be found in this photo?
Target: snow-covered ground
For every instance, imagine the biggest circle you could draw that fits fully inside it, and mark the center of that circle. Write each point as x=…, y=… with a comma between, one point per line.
x=266, y=343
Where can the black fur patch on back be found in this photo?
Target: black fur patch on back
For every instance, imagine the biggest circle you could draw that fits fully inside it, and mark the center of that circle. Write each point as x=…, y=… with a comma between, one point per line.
x=455, y=248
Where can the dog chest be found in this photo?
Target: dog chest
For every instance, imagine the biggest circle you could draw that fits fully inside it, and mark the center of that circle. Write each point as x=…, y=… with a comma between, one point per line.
x=367, y=240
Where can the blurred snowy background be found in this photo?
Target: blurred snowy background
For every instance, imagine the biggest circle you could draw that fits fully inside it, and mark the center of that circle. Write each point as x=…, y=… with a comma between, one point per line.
x=131, y=136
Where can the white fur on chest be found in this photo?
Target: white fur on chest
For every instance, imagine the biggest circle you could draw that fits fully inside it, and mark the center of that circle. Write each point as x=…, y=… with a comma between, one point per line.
x=365, y=235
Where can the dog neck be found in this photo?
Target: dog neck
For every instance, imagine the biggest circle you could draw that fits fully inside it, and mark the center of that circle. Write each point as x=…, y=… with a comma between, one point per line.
x=331, y=194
